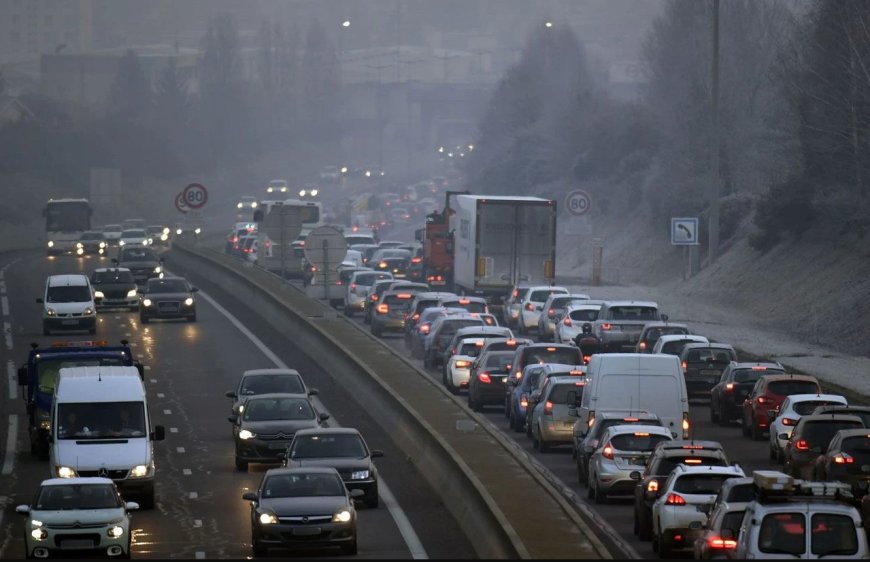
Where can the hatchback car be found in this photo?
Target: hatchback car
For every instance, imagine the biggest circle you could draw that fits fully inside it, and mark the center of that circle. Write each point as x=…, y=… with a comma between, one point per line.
x=307, y=507
x=673, y=344
x=358, y=285
x=703, y=364
x=519, y=393
x=169, y=297
x=512, y=305
x=389, y=314
x=342, y=448
x=254, y=382
x=847, y=459
x=114, y=288
x=563, y=354
x=91, y=243
x=442, y=332
x=570, y=322
x=422, y=301
x=143, y=263
x=532, y=304
x=767, y=394
x=552, y=311
x=112, y=234
x=789, y=414
x=810, y=439
x=268, y=423
x=718, y=537
x=158, y=233
x=735, y=384
x=457, y=370
x=486, y=385
x=486, y=332
x=551, y=422
x=586, y=439
x=862, y=412
x=77, y=516
x=622, y=449
x=652, y=331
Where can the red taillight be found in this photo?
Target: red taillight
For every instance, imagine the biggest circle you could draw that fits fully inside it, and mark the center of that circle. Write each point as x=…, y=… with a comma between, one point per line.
x=548, y=408
x=415, y=317
x=606, y=326
x=642, y=345
x=652, y=486
x=424, y=329
x=462, y=364
x=382, y=309
x=353, y=286
x=484, y=378
x=383, y=264
x=675, y=499
x=729, y=388
x=464, y=301
x=268, y=244
x=789, y=421
x=374, y=297
x=607, y=453
x=530, y=306
x=416, y=260
x=551, y=313
x=719, y=542
x=567, y=321
x=586, y=359
x=524, y=400
x=802, y=445
x=843, y=458
x=516, y=293
x=762, y=400
x=684, y=365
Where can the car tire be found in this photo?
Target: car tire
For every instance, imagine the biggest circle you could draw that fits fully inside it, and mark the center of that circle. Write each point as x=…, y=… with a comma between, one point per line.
x=347, y=311
x=241, y=465
x=351, y=547
x=772, y=452
x=598, y=495
x=46, y=331
x=723, y=418
x=514, y=422
x=143, y=319
x=476, y=405
x=528, y=428
x=755, y=432
x=644, y=528
x=665, y=549
x=260, y=551
x=582, y=477
x=507, y=407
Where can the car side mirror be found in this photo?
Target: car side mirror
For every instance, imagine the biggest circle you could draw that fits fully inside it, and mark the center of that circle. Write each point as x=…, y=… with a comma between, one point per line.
x=131, y=506
x=22, y=509
x=250, y=496
x=323, y=417
x=233, y=419
x=40, y=301
x=377, y=453
x=313, y=392
x=635, y=475
x=159, y=433
x=194, y=289
x=22, y=375
x=231, y=394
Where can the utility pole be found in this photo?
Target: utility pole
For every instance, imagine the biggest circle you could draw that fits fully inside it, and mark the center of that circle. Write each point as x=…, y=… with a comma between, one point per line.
x=380, y=104
x=713, y=249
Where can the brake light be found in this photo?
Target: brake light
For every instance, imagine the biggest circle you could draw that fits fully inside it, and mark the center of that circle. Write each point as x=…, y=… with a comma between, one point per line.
x=789, y=421
x=652, y=486
x=383, y=264
x=404, y=296
x=641, y=345
x=524, y=400
x=843, y=458
x=424, y=329
x=802, y=445
x=719, y=542
x=685, y=425
x=692, y=461
x=675, y=499
x=353, y=286
x=762, y=400
x=374, y=297
x=462, y=364
x=484, y=377
x=567, y=321
x=729, y=387
x=756, y=368
x=548, y=408
x=551, y=349
x=551, y=313
x=530, y=306
x=268, y=244
x=586, y=359
x=607, y=453
x=606, y=326
x=576, y=373
x=382, y=308
x=415, y=317
x=693, y=446
x=464, y=301
x=416, y=260
x=685, y=365
x=516, y=293
x=511, y=342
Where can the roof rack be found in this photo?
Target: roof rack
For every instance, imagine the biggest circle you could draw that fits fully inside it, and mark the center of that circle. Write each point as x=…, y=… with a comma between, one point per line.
x=772, y=485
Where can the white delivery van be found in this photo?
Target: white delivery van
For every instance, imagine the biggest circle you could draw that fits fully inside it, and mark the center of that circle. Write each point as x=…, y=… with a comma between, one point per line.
x=100, y=426
x=652, y=383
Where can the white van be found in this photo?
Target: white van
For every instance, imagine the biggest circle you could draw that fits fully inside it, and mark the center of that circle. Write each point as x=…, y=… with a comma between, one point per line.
x=100, y=426
x=68, y=304
x=643, y=382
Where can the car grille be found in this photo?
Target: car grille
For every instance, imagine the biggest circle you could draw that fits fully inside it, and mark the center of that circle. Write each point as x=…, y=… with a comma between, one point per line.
x=306, y=519
x=117, y=294
x=168, y=306
x=77, y=526
x=118, y=474
x=273, y=436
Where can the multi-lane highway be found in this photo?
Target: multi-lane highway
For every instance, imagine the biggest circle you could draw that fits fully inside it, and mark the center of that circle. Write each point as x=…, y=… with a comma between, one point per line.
x=189, y=366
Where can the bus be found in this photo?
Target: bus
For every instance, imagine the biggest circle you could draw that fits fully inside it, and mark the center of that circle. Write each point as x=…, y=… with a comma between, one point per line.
x=269, y=251
x=65, y=220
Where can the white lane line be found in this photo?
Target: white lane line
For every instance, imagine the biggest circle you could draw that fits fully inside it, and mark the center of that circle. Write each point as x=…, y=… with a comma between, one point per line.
x=173, y=430
x=11, y=442
x=13, y=380
x=7, y=332
x=129, y=335
x=118, y=317
x=180, y=449
x=199, y=555
x=412, y=541
x=4, y=304
x=161, y=395
x=186, y=471
x=193, y=496
x=148, y=368
x=167, y=412
x=152, y=380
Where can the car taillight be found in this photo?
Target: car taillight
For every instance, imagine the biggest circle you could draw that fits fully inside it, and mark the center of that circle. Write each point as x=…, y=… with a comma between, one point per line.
x=424, y=329
x=462, y=364
x=607, y=452
x=530, y=306
x=684, y=365
x=416, y=260
x=762, y=400
x=685, y=425
x=567, y=321
x=551, y=313
x=586, y=359
x=516, y=293
x=548, y=408
x=415, y=317
x=374, y=298
x=675, y=499
x=641, y=345
x=484, y=377
x=802, y=445
x=524, y=400
x=729, y=387
x=652, y=486
x=719, y=542
x=843, y=458
x=383, y=264
x=606, y=326
x=353, y=286
x=789, y=421
x=383, y=309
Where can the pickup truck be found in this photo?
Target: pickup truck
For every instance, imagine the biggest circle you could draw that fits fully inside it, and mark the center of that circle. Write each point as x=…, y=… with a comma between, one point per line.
x=620, y=323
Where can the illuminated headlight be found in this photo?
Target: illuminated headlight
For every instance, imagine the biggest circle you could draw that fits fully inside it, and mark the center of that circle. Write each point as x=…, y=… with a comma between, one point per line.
x=314, y=193
x=178, y=231
x=65, y=472
x=268, y=519
x=158, y=269
x=147, y=241
x=147, y=302
x=360, y=475
x=88, y=312
x=100, y=251
x=35, y=523
x=268, y=190
x=50, y=311
x=188, y=301
x=139, y=471
x=239, y=205
x=301, y=193
x=166, y=230
x=164, y=237
x=121, y=243
x=51, y=244
x=341, y=516
x=115, y=531
x=254, y=205
x=198, y=230
x=241, y=408
x=99, y=295
x=45, y=424
x=102, y=244
x=131, y=293
x=245, y=434
x=79, y=251
x=39, y=534
x=79, y=245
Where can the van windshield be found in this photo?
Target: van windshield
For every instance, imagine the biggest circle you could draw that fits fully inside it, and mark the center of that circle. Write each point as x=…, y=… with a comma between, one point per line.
x=68, y=293
x=100, y=420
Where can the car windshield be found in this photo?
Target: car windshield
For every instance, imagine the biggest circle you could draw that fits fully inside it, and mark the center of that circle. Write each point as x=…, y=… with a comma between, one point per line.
x=833, y=534
x=303, y=485
x=541, y=296
x=633, y=313
x=498, y=361
x=100, y=420
x=267, y=384
x=819, y=433
x=469, y=305
x=137, y=233
x=101, y=277
x=92, y=236
x=113, y=228
x=167, y=286
x=450, y=326
x=137, y=254
x=275, y=409
x=77, y=496
x=674, y=347
x=584, y=315
x=601, y=427
x=858, y=448
x=806, y=408
x=749, y=375
x=68, y=293
x=641, y=441
x=340, y=445
x=48, y=369
x=552, y=354
x=787, y=387
x=700, y=483
x=782, y=533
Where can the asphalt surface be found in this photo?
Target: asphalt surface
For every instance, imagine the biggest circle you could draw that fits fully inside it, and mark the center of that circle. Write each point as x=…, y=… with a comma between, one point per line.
x=189, y=366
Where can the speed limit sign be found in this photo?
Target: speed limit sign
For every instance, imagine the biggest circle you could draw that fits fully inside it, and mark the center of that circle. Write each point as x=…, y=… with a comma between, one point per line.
x=195, y=195
x=578, y=202
x=179, y=203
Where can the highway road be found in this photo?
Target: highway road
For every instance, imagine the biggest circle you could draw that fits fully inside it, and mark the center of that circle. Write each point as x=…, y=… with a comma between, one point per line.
x=189, y=366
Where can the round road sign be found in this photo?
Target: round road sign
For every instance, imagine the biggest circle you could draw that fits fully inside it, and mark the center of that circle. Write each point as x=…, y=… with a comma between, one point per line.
x=325, y=247
x=179, y=203
x=195, y=195
x=578, y=202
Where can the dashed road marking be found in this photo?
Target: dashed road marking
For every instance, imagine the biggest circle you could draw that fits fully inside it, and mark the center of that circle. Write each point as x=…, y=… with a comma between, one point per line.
x=173, y=430
x=11, y=442
x=186, y=471
x=13, y=380
x=7, y=332
x=152, y=380
x=181, y=449
x=4, y=304
x=193, y=496
x=118, y=317
x=200, y=555
x=161, y=395
x=167, y=412
x=129, y=335
x=148, y=368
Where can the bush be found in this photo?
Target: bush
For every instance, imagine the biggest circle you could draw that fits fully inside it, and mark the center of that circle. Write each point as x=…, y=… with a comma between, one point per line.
x=786, y=208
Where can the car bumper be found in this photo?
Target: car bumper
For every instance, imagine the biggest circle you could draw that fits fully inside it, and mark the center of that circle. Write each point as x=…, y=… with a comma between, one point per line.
x=554, y=432
x=624, y=342
x=700, y=385
x=355, y=302
x=678, y=519
x=256, y=450
x=89, y=542
x=305, y=535
x=117, y=303
x=490, y=394
x=459, y=377
x=78, y=323
x=156, y=312
x=680, y=538
x=613, y=479
x=388, y=323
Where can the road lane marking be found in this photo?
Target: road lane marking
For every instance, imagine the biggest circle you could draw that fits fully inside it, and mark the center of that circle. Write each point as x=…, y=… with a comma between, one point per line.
x=161, y=395
x=4, y=304
x=13, y=380
x=11, y=439
x=186, y=471
x=152, y=380
x=173, y=430
x=180, y=449
x=167, y=412
x=403, y=524
x=7, y=332
x=200, y=555
x=193, y=496
x=148, y=368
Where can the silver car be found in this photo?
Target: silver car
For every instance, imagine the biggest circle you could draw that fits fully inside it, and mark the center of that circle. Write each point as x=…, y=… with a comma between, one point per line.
x=570, y=324
x=622, y=450
x=389, y=313
x=551, y=422
x=553, y=308
x=358, y=287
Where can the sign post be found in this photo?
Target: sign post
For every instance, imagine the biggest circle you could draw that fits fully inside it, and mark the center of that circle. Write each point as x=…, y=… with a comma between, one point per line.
x=684, y=232
x=325, y=247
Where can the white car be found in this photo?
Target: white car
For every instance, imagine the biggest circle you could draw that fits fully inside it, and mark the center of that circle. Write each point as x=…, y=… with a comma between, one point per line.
x=277, y=186
x=789, y=414
x=78, y=515
x=112, y=234
x=678, y=509
x=672, y=344
x=532, y=304
x=134, y=236
x=358, y=287
x=571, y=323
x=457, y=370
x=247, y=202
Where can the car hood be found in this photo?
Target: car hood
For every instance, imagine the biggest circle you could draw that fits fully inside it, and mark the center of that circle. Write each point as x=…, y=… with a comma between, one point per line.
x=113, y=286
x=81, y=516
x=165, y=296
x=138, y=264
x=318, y=505
x=93, y=454
x=287, y=426
x=341, y=464
x=67, y=307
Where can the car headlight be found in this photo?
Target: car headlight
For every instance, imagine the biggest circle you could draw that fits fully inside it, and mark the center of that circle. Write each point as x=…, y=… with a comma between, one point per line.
x=241, y=408
x=121, y=243
x=45, y=424
x=239, y=205
x=360, y=475
x=314, y=193
x=146, y=302
x=50, y=311
x=88, y=312
x=178, y=231
x=51, y=244
x=188, y=301
x=197, y=231
x=158, y=269
x=268, y=190
x=39, y=533
x=268, y=519
x=132, y=293
x=139, y=471
x=341, y=516
x=302, y=193
x=65, y=472
x=164, y=237
x=115, y=531
x=79, y=245
x=245, y=434
x=102, y=244
x=80, y=251
x=254, y=205
x=166, y=230
x=147, y=241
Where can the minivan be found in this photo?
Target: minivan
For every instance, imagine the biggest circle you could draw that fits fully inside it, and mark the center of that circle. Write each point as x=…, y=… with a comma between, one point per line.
x=68, y=304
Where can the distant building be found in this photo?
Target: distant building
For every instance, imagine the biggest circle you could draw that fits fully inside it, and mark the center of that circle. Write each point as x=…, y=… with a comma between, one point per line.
x=13, y=109
x=35, y=27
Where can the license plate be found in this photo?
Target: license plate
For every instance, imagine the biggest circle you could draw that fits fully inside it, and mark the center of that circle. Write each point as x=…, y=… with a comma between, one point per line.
x=710, y=372
x=306, y=531
x=277, y=445
x=69, y=322
x=78, y=543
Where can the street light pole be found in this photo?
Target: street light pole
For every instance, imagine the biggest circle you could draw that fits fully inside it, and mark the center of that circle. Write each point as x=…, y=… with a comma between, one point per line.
x=713, y=249
x=380, y=105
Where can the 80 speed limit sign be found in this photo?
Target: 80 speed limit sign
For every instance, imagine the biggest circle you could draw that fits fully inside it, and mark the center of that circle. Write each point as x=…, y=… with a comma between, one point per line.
x=578, y=202
x=195, y=195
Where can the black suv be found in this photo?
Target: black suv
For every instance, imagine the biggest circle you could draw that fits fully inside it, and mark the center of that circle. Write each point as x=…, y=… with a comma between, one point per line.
x=735, y=384
x=664, y=459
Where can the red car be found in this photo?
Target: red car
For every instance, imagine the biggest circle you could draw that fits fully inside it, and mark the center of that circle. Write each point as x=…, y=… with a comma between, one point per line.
x=768, y=394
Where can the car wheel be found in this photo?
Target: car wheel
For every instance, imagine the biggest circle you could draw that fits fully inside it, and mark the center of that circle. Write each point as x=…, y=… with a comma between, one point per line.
x=543, y=446
x=644, y=528
x=507, y=407
x=259, y=550
x=744, y=427
x=350, y=548
x=241, y=465
x=655, y=543
x=476, y=406
x=723, y=417
x=779, y=456
x=756, y=432
x=515, y=422
x=143, y=319
x=599, y=496
x=665, y=548
x=581, y=473
x=528, y=428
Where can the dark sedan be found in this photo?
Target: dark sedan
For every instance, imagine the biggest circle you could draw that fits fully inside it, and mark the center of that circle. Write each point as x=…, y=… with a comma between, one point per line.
x=141, y=261
x=91, y=242
x=342, y=448
x=302, y=507
x=169, y=297
x=264, y=430
x=114, y=288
